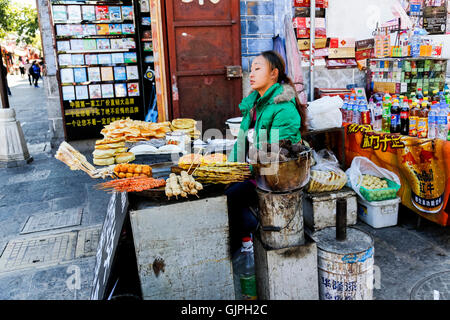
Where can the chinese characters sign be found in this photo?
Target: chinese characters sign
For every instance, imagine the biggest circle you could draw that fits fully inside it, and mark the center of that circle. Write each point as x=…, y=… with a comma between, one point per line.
x=421, y=164
x=86, y=118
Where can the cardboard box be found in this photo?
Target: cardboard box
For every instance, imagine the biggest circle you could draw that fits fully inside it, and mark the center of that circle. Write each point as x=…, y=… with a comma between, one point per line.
x=303, y=26
x=342, y=43
x=385, y=86
x=364, y=54
x=306, y=12
x=341, y=63
x=365, y=44
x=307, y=3
x=340, y=53
x=304, y=44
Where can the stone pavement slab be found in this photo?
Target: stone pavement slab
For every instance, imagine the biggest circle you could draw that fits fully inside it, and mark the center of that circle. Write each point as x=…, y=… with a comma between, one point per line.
x=33, y=192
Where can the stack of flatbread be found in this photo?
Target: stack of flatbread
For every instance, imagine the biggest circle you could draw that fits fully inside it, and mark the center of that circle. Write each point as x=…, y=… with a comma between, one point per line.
x=107, y=149
x=135, y=130
x=186, y=125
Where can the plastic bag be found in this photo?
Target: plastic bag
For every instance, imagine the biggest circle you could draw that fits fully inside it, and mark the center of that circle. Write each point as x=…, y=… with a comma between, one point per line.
x=325, y=113
x=362, y=165
x=326, y=174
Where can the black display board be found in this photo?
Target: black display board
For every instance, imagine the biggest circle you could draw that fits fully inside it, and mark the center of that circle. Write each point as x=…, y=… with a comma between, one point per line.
x=144, y=32
x=99, y=72
x=107, y=245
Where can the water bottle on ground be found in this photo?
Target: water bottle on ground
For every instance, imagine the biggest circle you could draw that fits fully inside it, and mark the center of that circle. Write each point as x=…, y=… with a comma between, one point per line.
x=244, y=272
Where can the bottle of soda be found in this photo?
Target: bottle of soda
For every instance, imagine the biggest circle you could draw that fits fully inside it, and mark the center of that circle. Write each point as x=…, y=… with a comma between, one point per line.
x=413, y=119
x=436, y=96
x=425, y=95
x=447, y=95
x=395, y=117
x=422, y=124
x=377, y=115
x=244, y=272
x=419, y=95
x=432, y=122
x=427, y=100
x=386, y=120
x=404, y=118
x=413, y=97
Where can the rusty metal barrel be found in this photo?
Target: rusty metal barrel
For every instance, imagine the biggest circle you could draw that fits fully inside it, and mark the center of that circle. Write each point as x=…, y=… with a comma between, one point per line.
x=345, y=261
x=281, y=219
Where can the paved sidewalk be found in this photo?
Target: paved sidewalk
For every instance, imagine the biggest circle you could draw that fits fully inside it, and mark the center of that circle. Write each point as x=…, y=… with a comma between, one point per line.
x=44, y=240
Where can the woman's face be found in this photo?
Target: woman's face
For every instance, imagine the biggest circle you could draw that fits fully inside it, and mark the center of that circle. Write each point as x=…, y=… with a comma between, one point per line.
x=262, y=77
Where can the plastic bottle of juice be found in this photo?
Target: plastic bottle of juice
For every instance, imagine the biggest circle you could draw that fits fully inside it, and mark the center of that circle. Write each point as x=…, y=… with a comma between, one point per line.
x=422, y=124
x=413, y=119
x=386, y=120
x=404, y=118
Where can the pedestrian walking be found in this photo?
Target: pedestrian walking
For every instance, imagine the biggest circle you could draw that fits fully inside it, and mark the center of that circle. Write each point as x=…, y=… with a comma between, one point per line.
x=5, y=73
x=28, y=71
x=36, y=73
x=21, y=68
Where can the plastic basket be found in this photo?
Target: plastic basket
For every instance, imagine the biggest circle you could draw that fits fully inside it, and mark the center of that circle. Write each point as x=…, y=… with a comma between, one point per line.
x=381, y=194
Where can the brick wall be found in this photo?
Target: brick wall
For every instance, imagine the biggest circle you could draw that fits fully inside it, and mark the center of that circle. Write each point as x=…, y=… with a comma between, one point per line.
x=257, y=29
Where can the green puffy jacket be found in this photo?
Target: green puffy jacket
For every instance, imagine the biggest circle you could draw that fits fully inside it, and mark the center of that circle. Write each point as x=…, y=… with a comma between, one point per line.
x=277, y=119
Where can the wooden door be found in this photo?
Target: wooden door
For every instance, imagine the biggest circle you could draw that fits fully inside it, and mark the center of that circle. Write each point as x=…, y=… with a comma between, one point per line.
x=203, y=39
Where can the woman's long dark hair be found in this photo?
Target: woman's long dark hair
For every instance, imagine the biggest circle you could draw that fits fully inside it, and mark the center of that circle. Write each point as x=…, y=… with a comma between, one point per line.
x=277, y=62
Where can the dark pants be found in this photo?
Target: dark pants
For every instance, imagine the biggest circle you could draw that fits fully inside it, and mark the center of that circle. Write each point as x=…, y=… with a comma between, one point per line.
x=35, y=80
x=240, y=197
x=29, y=79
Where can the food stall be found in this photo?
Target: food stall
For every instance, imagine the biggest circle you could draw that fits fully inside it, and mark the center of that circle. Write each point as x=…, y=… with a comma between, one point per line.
x=168, y=186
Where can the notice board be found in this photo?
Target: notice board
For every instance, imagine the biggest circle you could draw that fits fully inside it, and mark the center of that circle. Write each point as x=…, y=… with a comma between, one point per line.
x=98, y=63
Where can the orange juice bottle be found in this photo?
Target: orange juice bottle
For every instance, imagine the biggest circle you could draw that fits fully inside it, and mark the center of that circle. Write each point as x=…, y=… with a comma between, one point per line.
x=413, y=119
x=422, y=125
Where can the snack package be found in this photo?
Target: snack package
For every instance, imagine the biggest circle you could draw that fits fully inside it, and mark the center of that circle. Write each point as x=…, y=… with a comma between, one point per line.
x=326, y=174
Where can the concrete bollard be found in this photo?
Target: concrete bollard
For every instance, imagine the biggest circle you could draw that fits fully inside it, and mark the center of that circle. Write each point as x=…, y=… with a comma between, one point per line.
x=13, y=147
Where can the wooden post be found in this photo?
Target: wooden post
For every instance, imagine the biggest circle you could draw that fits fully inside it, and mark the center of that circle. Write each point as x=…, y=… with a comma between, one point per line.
x=341, y=220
